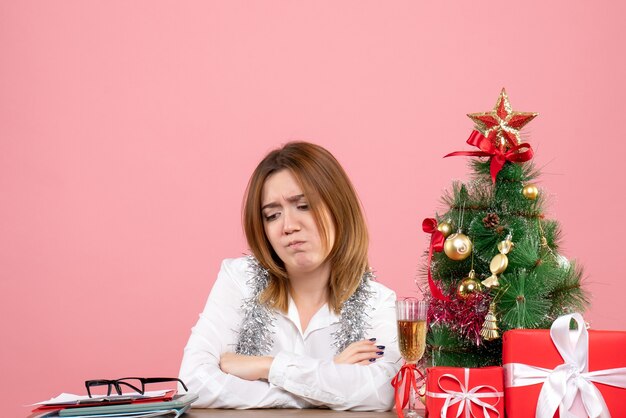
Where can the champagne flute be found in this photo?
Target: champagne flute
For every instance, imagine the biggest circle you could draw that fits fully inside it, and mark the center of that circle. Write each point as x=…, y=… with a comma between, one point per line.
x=411, y=315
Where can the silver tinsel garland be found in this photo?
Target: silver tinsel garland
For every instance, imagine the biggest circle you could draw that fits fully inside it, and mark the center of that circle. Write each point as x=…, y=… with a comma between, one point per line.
x=354, y=318
x=255, y=335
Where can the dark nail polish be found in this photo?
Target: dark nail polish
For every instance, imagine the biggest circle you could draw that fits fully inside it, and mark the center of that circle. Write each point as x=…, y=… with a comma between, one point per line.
x=372, y=339
x=372, y=360
x=381, y=347
x=380, y=353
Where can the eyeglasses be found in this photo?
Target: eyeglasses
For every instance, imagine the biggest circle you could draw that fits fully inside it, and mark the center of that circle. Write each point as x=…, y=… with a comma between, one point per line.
x=134, y=383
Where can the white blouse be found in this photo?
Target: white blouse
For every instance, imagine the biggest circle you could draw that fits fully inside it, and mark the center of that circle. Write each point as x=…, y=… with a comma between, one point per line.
x=303, y=374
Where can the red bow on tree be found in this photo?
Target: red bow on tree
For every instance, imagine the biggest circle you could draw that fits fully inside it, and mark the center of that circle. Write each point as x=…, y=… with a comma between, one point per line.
x=519, y=153
x=429, y=225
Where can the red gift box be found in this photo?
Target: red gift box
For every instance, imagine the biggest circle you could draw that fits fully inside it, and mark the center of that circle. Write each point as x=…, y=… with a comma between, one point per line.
x=460, y=392
x=559, y=362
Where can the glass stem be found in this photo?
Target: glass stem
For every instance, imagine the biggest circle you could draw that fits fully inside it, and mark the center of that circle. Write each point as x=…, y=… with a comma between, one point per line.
x=411, y=408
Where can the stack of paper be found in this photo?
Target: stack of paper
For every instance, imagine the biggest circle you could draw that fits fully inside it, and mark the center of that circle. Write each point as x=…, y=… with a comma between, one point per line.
x=163, y=403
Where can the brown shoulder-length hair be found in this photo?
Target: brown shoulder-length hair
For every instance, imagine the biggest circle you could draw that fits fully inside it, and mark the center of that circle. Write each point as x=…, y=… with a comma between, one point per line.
x=332, y=198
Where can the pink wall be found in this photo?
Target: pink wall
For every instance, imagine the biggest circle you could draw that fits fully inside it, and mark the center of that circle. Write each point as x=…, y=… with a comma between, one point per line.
x=128, y=131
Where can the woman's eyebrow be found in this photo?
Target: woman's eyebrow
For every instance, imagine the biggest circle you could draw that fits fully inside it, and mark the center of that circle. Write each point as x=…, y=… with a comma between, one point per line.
x=270, y=205
x=295, y=198
x=289, y=199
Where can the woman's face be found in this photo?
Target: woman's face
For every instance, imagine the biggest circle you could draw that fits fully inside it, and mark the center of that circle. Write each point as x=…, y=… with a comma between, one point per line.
x=290, y=226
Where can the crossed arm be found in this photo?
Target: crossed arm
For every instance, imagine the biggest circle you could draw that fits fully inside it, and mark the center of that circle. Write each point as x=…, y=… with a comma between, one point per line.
x=258, y=367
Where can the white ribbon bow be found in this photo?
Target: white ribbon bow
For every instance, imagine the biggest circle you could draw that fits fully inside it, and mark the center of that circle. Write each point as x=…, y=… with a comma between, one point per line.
x=561, y=385
x=465, y=397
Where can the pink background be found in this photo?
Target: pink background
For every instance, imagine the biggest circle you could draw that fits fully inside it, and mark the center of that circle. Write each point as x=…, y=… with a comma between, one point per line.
x=128, y=131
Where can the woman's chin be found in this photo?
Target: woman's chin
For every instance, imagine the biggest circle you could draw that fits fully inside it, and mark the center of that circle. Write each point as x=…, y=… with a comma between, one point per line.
x=303, y=264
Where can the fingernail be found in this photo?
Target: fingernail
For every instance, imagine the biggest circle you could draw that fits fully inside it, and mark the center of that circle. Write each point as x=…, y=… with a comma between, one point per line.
x=372, y=360
x=380, y=353
x=382, y=347
x=372, y=339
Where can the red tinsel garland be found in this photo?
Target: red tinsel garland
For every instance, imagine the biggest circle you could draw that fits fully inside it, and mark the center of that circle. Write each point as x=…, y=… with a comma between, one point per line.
x=463, y=316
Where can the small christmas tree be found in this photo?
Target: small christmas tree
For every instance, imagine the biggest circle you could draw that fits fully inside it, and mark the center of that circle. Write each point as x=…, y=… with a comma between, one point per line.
x=493, y=263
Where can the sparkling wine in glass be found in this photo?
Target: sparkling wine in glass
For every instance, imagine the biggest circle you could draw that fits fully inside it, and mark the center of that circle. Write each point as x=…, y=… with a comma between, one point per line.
x=411, y=315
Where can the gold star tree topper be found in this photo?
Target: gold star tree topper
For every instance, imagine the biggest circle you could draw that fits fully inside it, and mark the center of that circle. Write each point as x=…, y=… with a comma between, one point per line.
x=502, y=124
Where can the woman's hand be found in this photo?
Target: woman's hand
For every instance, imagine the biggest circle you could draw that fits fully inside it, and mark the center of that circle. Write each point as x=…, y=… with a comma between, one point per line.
x=362, y=352
x=246, y=367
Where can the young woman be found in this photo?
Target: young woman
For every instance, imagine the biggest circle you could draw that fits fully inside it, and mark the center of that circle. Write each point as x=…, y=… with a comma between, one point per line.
x=300, y=323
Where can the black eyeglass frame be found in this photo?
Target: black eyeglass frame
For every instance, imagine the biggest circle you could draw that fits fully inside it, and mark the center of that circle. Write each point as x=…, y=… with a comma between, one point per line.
x=117, y=384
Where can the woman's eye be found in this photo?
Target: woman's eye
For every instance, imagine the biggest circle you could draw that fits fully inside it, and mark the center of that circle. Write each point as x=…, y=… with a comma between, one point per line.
x=303, y=206
x=271, y=217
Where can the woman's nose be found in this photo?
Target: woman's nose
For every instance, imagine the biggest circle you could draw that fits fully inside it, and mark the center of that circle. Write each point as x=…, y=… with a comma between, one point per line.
x=291, y=223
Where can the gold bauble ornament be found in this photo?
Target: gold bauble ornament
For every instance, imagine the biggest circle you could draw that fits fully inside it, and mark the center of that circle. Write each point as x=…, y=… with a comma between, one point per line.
x=445, y=228
x=457, y=246
x=469, y=286
x=530, y=192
